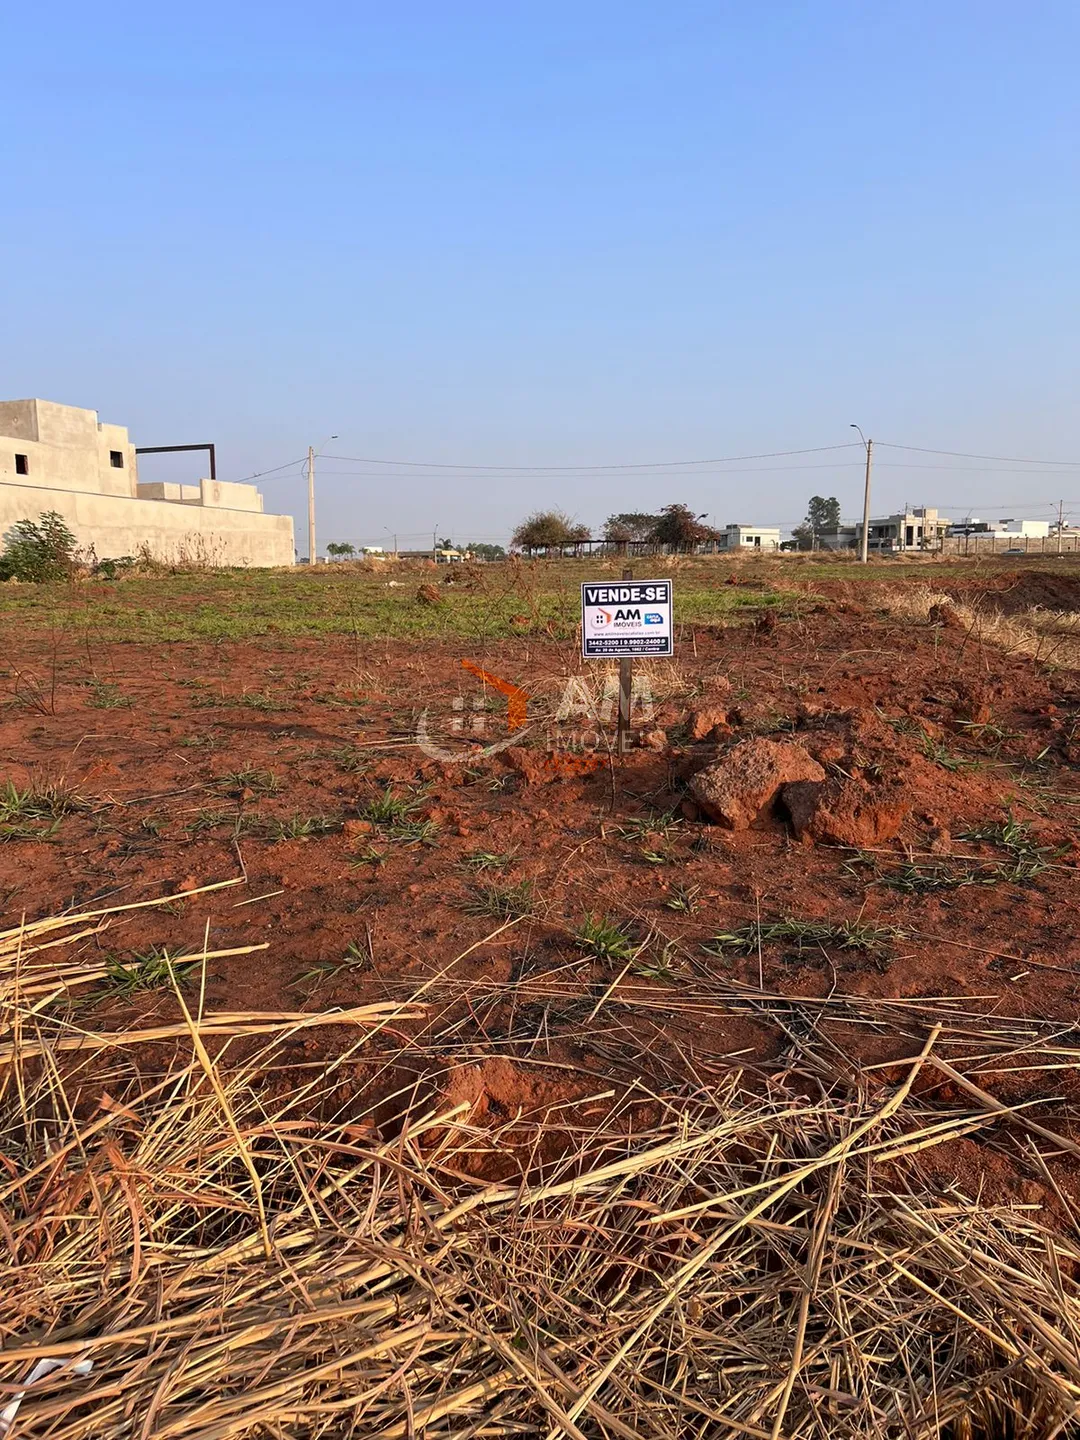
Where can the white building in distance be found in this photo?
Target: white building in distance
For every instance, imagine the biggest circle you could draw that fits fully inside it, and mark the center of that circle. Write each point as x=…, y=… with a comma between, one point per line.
x=62, y=458
x=753, y=537
x=1002, y=529
x=919, y=529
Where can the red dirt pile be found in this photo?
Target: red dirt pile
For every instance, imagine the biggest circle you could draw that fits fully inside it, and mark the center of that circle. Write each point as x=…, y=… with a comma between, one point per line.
x=746, y=783
x=847, y=777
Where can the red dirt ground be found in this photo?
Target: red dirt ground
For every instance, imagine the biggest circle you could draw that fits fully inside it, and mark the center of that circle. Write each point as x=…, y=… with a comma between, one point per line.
x=973, y=735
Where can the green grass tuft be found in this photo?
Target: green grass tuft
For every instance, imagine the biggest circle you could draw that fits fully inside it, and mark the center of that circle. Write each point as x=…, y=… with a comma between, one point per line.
x=148, y=971
x=484, y=860
x=502, y=902
x=390, y=809
x=1027, y=858
x=684, y=898
x=36, y=812
x=301, y=827
x=104, y=696
x=606, y=939
x=259, y=782
x=806, y=935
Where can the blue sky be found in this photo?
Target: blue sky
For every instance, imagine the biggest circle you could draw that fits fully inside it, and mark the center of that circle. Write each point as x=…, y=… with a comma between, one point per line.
x=554, y=235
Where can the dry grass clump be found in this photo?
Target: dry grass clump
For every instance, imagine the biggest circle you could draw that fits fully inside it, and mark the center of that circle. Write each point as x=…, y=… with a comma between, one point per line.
x=909, y=602
x=1051, y=637
x=241, y=1253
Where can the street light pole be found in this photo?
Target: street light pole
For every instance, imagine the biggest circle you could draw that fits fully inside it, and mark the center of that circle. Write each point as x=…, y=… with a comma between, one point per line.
x=864, y=547
x=311, y=504
x=311, y=453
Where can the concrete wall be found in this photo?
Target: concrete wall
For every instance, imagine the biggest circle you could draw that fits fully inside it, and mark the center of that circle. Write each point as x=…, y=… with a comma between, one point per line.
x=228, y=495
x=87, y=472
x=65, y=447
x=985, y=543
x=116, y=525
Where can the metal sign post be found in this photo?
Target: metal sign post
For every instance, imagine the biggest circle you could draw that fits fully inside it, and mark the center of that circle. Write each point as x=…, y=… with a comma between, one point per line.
x=623, y=620
x=626, y=690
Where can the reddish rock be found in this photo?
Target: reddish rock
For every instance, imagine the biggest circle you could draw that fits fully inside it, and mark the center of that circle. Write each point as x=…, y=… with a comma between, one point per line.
x=719, y=683
x=825, y=746
x=945, y=614
x=536, y=767
x=754, y=714
x=744, y=785
x=653, y=739
x=438, y=815
x=845, y=813
x=701, y=723
x=973, y=703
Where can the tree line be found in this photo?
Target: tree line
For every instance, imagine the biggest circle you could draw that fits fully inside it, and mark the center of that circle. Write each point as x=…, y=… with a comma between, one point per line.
x=343, y=550
x=675, y=525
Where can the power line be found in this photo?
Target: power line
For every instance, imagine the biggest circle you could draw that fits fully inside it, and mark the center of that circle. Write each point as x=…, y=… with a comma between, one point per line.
x=966, y=455
x=965, y=469
x=582, y=469
x=692, y=474
x=273, y=471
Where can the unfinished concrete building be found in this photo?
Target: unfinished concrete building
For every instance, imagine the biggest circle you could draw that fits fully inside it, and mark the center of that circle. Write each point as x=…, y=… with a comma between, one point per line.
x=62, y=458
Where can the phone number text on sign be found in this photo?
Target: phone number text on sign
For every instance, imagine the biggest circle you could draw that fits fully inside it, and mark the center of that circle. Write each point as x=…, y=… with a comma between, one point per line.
x=620, y=619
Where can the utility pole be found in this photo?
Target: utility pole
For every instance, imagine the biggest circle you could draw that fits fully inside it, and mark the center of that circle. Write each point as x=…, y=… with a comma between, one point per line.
x=311, y=497
x=1061, y=510
x=311, y=504
x=864, y=548
x=864, y=551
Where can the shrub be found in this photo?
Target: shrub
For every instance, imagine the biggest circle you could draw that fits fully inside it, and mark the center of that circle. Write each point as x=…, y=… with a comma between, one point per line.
x=680, y=528
x=548, y=529
x=38, y=551
x=111, y=569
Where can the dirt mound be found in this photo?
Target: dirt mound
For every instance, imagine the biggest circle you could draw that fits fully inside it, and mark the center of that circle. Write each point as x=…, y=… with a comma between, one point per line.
x=1013, y=593
x=849, y=777
x=744, y=784
x=848, y=812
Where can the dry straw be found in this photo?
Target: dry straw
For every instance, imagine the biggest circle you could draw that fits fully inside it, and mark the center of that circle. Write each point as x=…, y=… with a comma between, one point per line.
x=1051, y=637
x=240, y=1251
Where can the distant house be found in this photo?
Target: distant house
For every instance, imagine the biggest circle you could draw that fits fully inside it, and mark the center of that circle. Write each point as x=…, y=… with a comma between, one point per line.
x=441, y=556
x=1001, y=529
x=919, y=529
x=750, y=537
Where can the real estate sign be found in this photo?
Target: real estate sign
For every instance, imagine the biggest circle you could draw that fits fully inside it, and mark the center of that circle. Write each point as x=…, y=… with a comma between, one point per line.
x=621, y=619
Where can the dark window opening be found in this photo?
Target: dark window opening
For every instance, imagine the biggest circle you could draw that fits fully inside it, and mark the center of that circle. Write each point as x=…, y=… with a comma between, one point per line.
x=22, y=464
x=116, y=459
